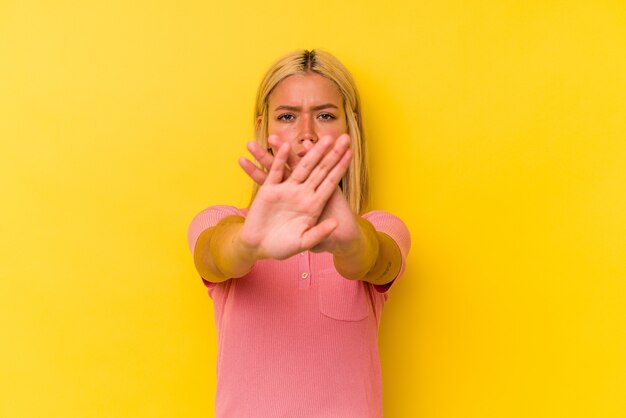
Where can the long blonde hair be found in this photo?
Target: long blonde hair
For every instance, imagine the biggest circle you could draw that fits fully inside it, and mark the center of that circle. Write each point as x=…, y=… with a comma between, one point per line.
x=355, y=183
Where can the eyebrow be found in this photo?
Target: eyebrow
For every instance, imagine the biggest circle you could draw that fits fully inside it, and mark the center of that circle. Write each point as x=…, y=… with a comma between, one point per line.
x=297, y=108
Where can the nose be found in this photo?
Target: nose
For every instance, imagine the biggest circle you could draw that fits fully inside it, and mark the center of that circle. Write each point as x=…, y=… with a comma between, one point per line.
x=307, y=135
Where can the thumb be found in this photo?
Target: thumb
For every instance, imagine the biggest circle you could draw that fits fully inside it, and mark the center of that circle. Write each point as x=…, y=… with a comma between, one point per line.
x=319, y=233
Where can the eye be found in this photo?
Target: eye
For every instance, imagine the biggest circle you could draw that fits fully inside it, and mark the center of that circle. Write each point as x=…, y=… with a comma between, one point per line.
x=327, y=116
x=286, y=117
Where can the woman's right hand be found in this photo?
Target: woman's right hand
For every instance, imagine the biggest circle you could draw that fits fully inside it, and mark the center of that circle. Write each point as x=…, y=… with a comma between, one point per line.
x=283, y=218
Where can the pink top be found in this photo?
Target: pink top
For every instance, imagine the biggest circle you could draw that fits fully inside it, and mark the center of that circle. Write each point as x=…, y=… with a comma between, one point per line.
x=296, y=339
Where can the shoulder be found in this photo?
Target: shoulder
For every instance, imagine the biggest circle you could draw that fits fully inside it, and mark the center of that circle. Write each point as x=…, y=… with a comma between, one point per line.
x=380, y=215
x=208, y=218
x=218, y=212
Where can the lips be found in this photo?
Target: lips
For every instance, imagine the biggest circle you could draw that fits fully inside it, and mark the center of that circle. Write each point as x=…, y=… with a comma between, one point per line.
x=301, y=154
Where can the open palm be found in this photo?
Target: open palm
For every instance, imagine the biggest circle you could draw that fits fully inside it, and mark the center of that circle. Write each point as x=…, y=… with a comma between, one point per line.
x=291, y=209
x=285, y=217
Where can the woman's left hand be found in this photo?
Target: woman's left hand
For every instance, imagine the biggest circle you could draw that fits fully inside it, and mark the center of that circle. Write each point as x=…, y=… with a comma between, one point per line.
x=346, y=239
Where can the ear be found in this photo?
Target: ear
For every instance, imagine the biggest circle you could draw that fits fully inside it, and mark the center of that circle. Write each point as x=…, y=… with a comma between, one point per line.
x=356, y=117
x=257, y=125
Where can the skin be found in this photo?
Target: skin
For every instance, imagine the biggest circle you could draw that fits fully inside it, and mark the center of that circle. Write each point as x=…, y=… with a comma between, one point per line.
x=380, y=252
x=299, y=205
x=302, y=111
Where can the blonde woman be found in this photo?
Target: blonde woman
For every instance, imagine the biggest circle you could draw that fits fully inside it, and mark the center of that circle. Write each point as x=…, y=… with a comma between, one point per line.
x=299, y=279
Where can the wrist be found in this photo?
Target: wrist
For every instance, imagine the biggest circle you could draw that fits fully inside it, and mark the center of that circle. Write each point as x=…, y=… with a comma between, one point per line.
x=230, y=256
x=357, y=259
x=388, y=263
x=247, y=252
x=355, y=244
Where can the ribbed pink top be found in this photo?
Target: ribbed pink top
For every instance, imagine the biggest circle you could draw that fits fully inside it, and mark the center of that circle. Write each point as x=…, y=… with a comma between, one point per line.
x=296, y=339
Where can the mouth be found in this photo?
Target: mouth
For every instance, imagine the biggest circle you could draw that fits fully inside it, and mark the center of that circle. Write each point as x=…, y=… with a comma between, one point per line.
x=301, y=154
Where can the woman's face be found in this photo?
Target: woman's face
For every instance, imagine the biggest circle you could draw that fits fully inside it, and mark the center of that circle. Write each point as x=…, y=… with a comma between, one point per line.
x=302, y=109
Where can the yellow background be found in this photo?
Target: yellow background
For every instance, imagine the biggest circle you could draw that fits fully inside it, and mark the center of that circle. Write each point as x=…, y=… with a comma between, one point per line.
x=497, y=133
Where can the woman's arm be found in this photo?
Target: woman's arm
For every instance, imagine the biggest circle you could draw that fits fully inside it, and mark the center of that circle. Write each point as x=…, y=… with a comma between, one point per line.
x=283, y=220
x=359, y=251
x=375, y=257
x=219, y=254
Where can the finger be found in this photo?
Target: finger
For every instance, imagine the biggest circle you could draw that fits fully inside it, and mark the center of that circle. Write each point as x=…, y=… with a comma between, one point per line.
x=261, y=155
x=277, y=169
x=275, y=141
x=254, y=172
x=264, y=157
x=310, y=160
x=329, y=161
x=318, y=233
x=328, y=185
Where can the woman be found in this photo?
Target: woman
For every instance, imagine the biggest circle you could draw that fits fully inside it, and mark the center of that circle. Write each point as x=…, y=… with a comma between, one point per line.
x=299, y=279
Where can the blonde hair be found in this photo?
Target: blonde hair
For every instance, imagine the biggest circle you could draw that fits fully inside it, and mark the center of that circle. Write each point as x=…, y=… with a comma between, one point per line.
x=355, y=183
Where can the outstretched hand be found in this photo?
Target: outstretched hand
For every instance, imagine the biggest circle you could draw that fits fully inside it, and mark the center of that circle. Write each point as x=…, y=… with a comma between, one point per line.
x=288, y=214
x=329, y=221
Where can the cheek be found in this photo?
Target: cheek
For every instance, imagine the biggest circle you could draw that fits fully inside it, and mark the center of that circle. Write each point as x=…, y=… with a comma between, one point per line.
x=283, y=131
x=341, y=127
x=338, y=129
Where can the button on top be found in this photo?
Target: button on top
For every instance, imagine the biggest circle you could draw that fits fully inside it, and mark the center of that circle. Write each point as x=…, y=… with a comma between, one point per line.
x=305, y=275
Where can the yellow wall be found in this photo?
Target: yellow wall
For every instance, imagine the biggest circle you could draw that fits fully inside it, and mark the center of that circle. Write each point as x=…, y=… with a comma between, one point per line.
x=498, y=133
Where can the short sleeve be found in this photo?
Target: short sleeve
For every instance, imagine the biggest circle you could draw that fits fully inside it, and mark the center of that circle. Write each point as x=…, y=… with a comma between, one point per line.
x=397, y=230
x=208, y=218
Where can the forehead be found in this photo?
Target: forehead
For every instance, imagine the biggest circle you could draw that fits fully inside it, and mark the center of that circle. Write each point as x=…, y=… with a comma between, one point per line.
x=301, y=89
